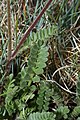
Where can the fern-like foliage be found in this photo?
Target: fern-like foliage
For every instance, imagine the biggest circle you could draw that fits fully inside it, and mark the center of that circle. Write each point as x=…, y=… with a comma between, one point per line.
x=36, y=63
x=38, y=55
x=42, y=35
x=10, y=92
x=41, y=116
x=22, y=87
x=76, y=111
x=62, y=112
x=44, y=95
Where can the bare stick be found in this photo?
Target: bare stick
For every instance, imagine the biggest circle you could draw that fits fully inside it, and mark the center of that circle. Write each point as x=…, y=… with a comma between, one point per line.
x=64, y=89
x=23, y=39
x=9, y=31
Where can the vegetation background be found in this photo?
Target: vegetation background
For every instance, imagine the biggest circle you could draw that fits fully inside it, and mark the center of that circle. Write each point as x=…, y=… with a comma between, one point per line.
x=40, y=77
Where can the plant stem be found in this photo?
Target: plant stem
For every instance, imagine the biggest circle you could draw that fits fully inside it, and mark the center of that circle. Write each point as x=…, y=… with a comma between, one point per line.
x=23, y=39
x=9, y=31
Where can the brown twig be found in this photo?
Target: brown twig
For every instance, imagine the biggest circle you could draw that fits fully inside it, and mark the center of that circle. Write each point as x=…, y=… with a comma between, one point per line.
x=9, y=30
x=23, y=39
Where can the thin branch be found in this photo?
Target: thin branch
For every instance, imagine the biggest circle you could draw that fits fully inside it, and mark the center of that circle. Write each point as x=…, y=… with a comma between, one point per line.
x=9, y=30
x=26, y=34
x=67, y=66
x=64, y=89
x=75, y=37
x=61, y=87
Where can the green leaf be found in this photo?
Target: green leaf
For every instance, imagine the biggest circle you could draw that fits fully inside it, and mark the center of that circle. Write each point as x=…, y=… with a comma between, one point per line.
x=40, y=42
x=34, y=36
x=76, y=111
x=40, y=102
x=31, y=63
x=43, y=54
x=40, y=64
x=41, y=116
x=33, y=88
x=11, y=77
x=38, y=71
x=42, y=35
x=46, y=33
x=63, y=110
x=36, y=79
x=39, y=35
x=23, y=73
x=42, y=59
x=27, y=97
x=46, y=106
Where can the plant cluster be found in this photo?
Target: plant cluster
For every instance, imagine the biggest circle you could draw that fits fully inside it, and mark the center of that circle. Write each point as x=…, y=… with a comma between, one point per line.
x=44, y=78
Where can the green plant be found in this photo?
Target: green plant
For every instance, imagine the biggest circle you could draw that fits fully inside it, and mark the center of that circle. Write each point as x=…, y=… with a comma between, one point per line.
x=42, y=35
x=35, y=64
x=41, y=116
x=22, y=85
x=62, y=112
x=10, y=92
x=55, y=40
x=44, y=96
x=76, y=111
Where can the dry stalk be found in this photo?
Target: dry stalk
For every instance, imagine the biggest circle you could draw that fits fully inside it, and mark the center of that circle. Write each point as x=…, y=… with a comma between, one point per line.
x=9, y=31
x=26, y=34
